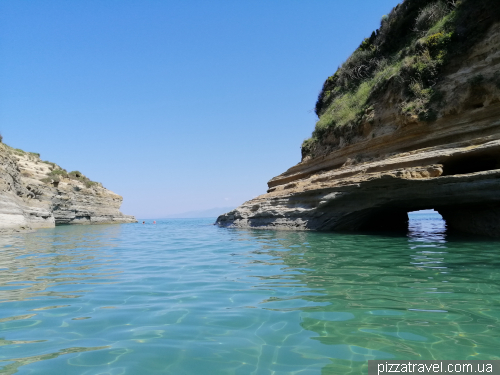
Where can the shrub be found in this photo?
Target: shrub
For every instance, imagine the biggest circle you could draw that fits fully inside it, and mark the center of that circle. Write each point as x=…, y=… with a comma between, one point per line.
x=79, y=176
x=52, y=179
x=1, y=138
x=58, y=173
x=76, y=175
x=429, y=15
x=53, y=165
x=307, y=145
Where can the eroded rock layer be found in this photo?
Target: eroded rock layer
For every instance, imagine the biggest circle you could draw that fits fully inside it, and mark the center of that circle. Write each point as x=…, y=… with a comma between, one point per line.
x=30, y=200
x=395, y=164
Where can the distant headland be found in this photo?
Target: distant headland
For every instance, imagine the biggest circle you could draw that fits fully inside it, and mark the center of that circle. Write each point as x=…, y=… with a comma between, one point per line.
x=40, y=194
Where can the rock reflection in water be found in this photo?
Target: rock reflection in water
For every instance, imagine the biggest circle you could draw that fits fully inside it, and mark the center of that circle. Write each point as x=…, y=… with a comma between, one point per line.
x=37, y=265
x=387, y=296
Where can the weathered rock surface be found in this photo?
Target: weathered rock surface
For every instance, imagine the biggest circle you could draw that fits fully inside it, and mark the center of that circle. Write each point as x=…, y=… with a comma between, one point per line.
x=26, y=202
x=398, y=164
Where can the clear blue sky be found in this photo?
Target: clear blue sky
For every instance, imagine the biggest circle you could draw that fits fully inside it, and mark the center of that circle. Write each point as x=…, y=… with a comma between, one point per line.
x=175, y=105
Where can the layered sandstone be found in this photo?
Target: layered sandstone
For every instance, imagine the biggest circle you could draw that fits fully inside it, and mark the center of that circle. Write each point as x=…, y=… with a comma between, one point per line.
x=393, y=164
x=30, y=200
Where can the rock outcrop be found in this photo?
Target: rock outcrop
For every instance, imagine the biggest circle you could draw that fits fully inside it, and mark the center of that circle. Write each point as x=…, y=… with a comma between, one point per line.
x=29, y=199
x=396, y=163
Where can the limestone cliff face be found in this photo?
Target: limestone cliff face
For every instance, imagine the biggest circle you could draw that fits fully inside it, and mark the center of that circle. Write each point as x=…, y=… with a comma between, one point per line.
x=370, y=178
x=30, y=200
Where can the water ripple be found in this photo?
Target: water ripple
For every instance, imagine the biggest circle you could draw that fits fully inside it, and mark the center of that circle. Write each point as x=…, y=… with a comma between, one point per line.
x=186, y=297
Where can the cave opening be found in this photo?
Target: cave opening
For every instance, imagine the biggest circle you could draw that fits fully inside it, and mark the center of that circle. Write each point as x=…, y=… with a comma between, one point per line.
x=464, y=164
x=416, y=218
x=426, y=224
x=385, y=220
x=483, y=220
x=414, y=223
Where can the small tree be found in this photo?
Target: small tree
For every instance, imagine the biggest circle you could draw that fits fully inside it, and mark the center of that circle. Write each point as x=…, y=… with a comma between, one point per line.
x=1, y=138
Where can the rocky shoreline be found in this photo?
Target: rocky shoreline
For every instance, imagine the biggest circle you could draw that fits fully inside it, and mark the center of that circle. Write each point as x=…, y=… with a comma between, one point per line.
x=395, y=163
x=29, y=199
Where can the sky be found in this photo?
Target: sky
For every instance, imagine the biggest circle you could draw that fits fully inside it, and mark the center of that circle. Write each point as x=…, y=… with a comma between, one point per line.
x=175, y=105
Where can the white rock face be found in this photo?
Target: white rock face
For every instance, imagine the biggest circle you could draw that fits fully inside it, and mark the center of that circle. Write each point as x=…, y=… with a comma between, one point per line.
x=29, y=199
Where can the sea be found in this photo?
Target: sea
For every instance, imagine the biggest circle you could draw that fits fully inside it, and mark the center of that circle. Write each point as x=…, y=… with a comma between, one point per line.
x=184, y=296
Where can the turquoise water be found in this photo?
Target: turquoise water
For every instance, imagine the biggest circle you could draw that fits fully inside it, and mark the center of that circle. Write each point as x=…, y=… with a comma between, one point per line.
x=187, y=297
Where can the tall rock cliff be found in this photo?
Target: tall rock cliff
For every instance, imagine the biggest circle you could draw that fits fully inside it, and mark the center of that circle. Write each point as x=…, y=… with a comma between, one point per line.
x=37, y=194
x=411, y=121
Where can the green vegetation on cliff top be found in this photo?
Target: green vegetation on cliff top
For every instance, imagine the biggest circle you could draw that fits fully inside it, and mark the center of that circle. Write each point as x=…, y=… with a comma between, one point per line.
x=56, y=173
x=408, y=52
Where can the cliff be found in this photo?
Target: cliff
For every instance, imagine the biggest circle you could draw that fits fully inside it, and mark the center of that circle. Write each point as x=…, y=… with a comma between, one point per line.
x=37, y=194
x=408, y=144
